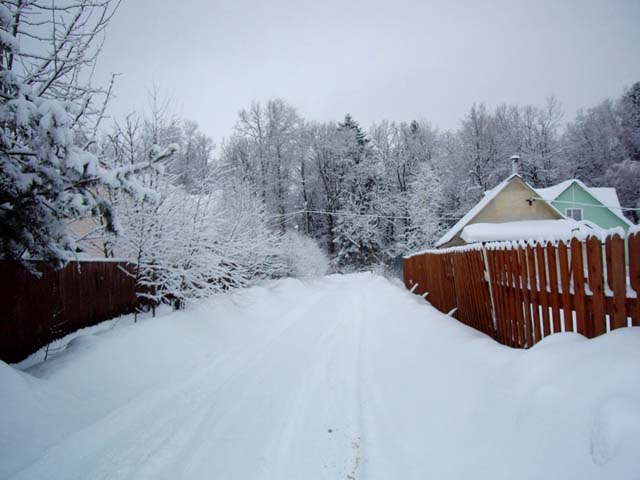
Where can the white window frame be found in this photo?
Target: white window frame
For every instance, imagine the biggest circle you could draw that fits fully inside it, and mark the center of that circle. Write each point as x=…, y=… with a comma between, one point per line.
x=568, y=215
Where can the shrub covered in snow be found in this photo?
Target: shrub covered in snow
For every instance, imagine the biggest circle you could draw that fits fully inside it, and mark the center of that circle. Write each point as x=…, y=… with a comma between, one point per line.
x=50, y=170
x=302, y=256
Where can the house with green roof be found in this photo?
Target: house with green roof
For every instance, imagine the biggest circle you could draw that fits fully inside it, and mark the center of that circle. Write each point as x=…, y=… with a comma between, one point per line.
x=595, y=206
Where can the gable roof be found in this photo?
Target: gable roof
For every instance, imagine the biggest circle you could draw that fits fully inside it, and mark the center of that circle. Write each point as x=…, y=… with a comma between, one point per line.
x=607, y=196
x=478, y=207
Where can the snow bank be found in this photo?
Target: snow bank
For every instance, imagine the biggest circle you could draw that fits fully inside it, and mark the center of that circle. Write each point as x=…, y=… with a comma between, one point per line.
x=346, y=375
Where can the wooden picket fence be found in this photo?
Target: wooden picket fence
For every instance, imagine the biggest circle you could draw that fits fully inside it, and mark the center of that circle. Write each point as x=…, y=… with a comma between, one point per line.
x=519, y=292
x=39, y=309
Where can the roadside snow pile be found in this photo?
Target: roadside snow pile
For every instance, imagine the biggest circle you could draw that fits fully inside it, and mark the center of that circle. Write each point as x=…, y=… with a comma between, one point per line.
x=343, y=377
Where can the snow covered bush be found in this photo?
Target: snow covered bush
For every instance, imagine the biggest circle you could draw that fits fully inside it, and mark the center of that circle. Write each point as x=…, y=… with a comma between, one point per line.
x=50, y=171
x=302, y=256
x=424, y=205
x=246, y=236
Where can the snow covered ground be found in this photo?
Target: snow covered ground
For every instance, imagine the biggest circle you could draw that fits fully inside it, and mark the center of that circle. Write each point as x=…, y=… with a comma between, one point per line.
x=346, y=377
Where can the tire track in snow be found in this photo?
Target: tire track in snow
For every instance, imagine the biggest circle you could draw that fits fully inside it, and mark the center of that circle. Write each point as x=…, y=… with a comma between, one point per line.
x=325, y=408
x=161, y=424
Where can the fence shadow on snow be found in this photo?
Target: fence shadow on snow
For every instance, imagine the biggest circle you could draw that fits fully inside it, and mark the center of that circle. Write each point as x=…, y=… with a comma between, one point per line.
x=521, y=292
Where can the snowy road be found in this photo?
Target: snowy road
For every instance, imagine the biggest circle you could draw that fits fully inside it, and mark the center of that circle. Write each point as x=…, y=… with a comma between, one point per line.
x=348, y=377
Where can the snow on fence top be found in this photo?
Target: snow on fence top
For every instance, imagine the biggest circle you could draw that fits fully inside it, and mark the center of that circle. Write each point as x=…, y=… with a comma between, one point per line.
x=518, y=230
x=600, y=234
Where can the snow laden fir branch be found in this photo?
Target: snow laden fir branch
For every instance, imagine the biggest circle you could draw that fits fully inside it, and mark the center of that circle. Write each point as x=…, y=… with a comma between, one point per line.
x=51, y=171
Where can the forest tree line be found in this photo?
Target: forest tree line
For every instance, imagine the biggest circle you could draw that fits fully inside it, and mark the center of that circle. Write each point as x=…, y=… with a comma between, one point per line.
x=281, y=196
x=369, y=196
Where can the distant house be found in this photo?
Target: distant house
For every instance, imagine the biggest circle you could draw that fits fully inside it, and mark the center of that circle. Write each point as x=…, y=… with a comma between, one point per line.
x=597, y=206
x=87, y=232
x=513, y=210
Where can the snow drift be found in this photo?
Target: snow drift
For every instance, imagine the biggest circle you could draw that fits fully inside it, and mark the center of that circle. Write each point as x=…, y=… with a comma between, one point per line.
x=344, y=377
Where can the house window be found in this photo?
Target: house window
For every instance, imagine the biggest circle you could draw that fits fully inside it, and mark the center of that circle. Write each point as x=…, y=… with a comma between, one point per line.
x=575, y=213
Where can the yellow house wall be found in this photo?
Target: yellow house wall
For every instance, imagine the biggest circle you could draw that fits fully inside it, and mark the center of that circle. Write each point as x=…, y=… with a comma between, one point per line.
x=87, y=227
x=510, y=205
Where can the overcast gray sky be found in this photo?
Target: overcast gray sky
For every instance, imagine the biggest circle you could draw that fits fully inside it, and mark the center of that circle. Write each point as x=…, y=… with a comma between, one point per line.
x=395, y=60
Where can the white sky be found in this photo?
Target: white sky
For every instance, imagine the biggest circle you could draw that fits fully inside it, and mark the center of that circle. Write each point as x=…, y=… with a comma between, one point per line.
x=395, y=60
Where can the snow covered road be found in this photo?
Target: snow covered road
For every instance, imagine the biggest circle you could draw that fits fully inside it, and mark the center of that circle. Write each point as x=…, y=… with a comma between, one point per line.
x=346, y=377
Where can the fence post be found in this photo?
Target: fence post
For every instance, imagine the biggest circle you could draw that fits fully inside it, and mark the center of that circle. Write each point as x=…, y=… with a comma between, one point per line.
x=565, y=283
x=534, y=294
x=577, y=265
x=544, y=299
x=634, y=275
x=552, y=268
x=509, y=302
x=597, y=324
x=487, y=277
x=526, y=303
x=517, y=296
x=617, y=280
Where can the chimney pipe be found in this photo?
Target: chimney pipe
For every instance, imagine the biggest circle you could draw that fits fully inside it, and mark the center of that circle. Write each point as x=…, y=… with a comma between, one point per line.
x=515, y=164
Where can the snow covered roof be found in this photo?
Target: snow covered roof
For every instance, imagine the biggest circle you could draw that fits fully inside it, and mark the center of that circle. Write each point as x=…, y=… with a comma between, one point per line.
x=522, y=230
x=488, y=196
x=607, y=196
x=553, y=192
x=471, y=214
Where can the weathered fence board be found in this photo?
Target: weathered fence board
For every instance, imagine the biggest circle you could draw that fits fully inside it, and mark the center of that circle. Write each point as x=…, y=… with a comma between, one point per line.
x=634, y=276
x=39, y=309
x=552, y=265
x=520, y=293
x=617, y=281
x=596, y=284
x=565, y=284
x=577, y=268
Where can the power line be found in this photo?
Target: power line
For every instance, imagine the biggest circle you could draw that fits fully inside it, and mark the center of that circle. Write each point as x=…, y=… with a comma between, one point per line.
x=353, y=214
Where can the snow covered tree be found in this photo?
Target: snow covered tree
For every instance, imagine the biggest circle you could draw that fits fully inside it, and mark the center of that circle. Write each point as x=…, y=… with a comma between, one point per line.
x=264, y=151
x=302, y=256
x=330, y=164
x=625, y=178
x=194, y=160
x=425, y=209
x=531, y=133
x=50, y=173
x=359, y=230
x=591, y=142
x=629, y=112
x=480, y=149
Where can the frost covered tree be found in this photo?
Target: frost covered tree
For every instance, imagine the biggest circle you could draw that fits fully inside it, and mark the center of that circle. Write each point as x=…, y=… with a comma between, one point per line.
x=192, y=239
x=264, y=150
x=629, y=112
x=625, y=178
x=51, y=172
x=479, y=147
x=329, y=162
x=194, y=160
x=302, y=256
x=403, y=150
x=531, y=133
x=368, y=197
x=425, y=202
x=358, y=229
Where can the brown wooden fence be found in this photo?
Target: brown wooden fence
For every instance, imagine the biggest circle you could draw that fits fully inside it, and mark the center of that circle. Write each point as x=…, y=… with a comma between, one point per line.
x=520, y=293
x=37, y=310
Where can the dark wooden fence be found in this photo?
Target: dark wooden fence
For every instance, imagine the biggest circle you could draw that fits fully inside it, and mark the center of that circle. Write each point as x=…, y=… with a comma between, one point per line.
x=37, y=310
x=520, y=293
